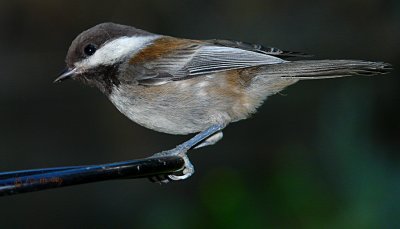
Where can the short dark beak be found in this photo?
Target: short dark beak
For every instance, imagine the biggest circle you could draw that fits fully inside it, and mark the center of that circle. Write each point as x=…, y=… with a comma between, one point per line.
x=67, y=73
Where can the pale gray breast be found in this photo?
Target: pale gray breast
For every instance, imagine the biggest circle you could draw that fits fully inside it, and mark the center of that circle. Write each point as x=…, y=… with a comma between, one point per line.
x=180, y=107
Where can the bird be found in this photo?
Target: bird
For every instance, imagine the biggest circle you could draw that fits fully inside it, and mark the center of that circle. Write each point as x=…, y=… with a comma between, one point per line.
x=183, y=86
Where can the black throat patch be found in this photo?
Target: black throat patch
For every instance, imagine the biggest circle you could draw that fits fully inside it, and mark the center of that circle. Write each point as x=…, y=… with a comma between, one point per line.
x=104, y=77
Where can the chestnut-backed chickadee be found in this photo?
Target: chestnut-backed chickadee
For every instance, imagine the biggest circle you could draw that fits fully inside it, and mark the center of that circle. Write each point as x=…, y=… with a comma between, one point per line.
x=183, y=86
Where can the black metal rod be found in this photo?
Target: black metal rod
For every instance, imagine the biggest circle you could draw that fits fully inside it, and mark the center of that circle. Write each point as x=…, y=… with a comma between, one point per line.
x=22, y=181
x=41, y=179
x=21, y=173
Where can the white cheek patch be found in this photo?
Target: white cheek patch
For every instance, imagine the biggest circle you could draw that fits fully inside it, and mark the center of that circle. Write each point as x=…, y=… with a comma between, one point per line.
x=116, y=50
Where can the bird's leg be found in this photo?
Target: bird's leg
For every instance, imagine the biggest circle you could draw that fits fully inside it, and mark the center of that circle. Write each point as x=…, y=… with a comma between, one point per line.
x=181, y=150
x=211, y=140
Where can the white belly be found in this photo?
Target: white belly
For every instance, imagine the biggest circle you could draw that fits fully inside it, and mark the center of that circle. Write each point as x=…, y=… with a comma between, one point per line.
x=173, y=117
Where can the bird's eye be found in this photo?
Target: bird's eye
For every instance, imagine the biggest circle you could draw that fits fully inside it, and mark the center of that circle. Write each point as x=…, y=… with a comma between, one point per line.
x=89, y=49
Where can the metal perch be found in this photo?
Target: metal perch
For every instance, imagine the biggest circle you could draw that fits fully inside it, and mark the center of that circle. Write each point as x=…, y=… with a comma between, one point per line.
x=160, y=165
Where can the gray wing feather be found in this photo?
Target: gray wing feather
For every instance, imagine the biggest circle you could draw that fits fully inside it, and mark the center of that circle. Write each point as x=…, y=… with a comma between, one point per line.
x=258, y=48
x=201, y=60
x=211, y=59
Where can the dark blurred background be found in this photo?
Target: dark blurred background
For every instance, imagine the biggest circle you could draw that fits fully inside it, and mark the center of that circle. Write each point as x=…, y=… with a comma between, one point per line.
x=322, y=154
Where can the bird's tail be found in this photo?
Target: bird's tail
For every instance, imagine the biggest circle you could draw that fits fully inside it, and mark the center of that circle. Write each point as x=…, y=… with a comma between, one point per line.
x=323, y=69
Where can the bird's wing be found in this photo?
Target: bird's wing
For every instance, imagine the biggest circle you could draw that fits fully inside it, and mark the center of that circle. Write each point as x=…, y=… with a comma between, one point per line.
x=210, y=59
x=190, y=59
x=258, y=48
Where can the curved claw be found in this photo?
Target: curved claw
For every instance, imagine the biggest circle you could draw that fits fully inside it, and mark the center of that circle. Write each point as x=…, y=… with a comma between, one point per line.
x=160, y=179
x=186, y=172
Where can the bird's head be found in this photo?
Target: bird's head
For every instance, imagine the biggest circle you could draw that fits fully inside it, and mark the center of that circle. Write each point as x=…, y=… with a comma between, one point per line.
x=96, y=54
